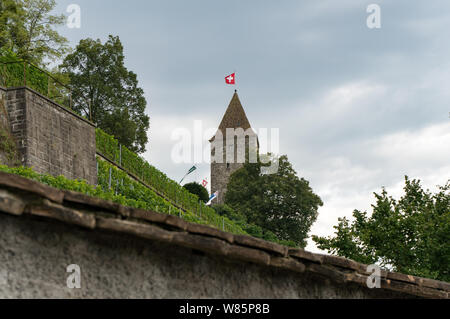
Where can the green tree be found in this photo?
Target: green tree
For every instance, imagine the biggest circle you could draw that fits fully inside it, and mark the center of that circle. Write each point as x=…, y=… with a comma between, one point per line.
x=197, y=189
x=9, y=21
x=106, y=92
x=251, y=229
x=280, y=203
x=27, y=28
x=410, y=235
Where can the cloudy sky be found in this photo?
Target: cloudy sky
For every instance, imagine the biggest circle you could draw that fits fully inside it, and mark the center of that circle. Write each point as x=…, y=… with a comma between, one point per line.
x=357, y=108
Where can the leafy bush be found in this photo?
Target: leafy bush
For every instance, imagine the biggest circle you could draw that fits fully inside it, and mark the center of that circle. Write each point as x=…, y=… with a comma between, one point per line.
x=15, y=72
x=199, y=190
x=251, y=229
x=136, y=166
x=125, y=191
x=8, y=146
x=134, y=194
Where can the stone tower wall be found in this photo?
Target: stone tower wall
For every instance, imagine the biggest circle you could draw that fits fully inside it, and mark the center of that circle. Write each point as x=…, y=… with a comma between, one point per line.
x=221, y=170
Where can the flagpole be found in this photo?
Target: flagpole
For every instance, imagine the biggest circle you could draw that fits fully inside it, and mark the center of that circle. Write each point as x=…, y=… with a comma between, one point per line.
x=183, y=178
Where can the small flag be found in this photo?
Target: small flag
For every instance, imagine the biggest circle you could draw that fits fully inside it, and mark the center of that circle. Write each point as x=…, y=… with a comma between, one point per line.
x=212, y=197
x=193, y=168
x=230, y=79
x=204, y=182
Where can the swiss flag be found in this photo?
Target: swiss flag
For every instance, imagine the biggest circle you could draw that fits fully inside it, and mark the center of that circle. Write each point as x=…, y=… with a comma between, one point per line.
x=230, y=79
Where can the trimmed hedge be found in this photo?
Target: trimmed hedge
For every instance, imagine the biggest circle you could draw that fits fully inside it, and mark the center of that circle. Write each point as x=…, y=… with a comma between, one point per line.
x=109, y=147
x=13, y=75
x=143, y=197
x=16, y=73
x=138, y=196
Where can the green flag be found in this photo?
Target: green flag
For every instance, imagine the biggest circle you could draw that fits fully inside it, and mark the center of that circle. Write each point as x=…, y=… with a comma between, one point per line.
x=193, y=168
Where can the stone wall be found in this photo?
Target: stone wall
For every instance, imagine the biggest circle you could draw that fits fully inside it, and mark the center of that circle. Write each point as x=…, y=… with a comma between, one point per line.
x=34, y=255
x=3, y=117
x=125, y=252
x=229, y=160
x=51, y=138
x=7, y=142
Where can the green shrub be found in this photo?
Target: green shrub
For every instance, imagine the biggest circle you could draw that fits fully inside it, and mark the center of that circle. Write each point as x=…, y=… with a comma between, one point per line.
x=136, y=166
x=250, y=229
x=8, y=146
x=15, y=72
x=197, y=189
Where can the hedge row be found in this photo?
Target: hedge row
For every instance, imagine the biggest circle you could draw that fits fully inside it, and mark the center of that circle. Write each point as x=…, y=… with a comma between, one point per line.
x=22, y=73
x=19, y=73
x=109, y=147
x=81, y=186
x=122, y=184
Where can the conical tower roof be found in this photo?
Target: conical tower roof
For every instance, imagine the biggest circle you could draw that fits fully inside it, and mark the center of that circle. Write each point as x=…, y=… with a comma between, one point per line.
x=234, y=115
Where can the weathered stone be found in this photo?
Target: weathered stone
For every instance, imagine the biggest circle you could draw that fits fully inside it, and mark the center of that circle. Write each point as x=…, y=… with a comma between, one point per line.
x=413, y=289
x=425, y=282
x=95, y=202
x=147, y=215
x=59, y=212
x=402, y=277
x=343, y=262
x=208, y=245
x=134, y=228
x=176, y=222
x=52, y=139
x=222, y=168
x=287, y=263
x=333, y=271
x=25, y=184
x=209, y=231
x=261, y=244
x=306, y=255
x=248, y=254
x=10, y=203
x=117, y=265
x=356, y=278
x=326, y=271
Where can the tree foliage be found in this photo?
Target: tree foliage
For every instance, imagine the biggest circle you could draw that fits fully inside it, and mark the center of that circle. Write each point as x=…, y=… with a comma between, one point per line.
x=280, y=203
x=27, y=28
x=251, y=229
x=9, y=20
x=106, y=92
x=197, y=189
x=410, y=235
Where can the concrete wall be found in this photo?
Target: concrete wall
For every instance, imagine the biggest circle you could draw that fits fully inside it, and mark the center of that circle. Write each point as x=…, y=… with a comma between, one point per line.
x=35, y=253
x=51, y=138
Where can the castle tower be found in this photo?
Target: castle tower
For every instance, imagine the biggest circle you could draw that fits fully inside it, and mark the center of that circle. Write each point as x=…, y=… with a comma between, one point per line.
x=234, y=143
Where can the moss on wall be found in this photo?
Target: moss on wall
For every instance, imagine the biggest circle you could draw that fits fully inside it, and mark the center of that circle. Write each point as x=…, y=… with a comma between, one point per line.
x=8, y=148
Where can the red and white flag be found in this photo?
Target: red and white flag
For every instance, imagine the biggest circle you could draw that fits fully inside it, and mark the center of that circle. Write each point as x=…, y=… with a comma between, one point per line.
x=230, y=79
x=205, y=182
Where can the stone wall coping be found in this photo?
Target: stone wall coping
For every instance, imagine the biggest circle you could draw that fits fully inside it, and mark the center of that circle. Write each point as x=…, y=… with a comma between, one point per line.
x=50, y=101
x=20, y=196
